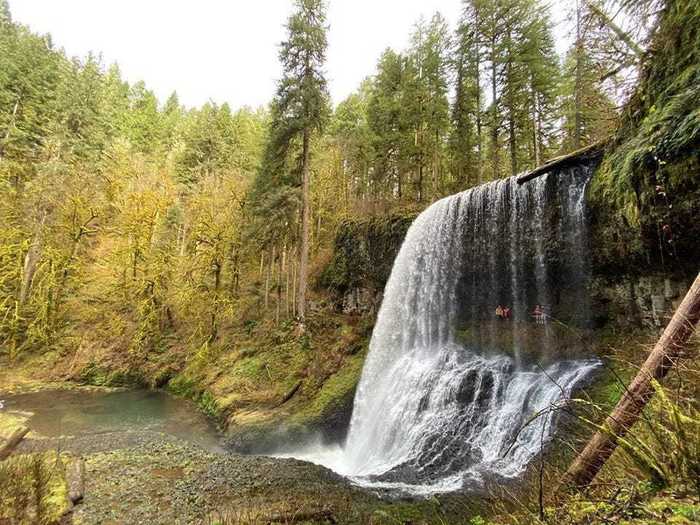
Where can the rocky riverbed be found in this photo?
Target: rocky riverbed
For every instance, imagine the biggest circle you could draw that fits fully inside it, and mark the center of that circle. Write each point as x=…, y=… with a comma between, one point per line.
x=140, y=470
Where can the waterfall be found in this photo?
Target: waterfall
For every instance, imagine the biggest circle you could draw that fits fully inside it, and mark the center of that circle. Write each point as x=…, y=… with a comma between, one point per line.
x=447, y=387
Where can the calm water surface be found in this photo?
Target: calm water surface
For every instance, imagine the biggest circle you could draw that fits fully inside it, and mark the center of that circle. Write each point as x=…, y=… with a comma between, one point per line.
x=56, y=413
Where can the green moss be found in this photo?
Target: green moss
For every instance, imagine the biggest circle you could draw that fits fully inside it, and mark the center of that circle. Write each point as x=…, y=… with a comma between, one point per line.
x=364, y=252
x=33, y=485
x=191, y=388
x=183, y=386
x=334, y=392
x=250, y=367
x=656, y=145
x=209, y=405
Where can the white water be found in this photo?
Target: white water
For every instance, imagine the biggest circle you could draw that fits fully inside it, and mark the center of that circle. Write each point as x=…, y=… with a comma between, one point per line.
x=430, y=414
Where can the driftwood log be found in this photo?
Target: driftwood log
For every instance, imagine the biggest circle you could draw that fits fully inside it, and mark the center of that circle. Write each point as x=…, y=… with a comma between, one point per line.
x=75, y=478
x=668, y=349
x=12, y=442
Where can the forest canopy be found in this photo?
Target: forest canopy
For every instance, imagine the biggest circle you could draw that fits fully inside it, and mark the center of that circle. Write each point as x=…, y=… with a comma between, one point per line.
x=153, y=222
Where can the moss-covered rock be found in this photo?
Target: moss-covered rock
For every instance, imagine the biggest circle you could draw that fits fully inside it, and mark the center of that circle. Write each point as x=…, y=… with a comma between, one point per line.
x=646, y=194
x=362, y=259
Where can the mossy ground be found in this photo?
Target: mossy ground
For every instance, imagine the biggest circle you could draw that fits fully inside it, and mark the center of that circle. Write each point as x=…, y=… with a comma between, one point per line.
x=33, y=489
x=268, y=377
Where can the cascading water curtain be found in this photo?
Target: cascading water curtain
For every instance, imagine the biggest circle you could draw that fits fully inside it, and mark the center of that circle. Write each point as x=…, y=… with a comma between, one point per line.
x=435, y=411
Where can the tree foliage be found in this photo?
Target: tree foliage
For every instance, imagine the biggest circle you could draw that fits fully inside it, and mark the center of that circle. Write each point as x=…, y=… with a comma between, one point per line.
x=155, y=222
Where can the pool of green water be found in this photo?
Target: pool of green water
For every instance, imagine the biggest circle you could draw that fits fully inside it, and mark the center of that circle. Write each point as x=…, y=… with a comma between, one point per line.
x=63, y=413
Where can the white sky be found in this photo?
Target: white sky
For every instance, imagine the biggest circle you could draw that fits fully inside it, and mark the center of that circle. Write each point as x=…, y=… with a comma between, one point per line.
x=226, y=50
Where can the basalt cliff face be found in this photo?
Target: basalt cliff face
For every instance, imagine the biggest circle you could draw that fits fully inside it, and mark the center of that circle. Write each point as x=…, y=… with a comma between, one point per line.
x=638, y=275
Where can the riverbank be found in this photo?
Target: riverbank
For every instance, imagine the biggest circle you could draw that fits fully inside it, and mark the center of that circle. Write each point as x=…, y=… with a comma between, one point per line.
x=140, y=471
x=145, y=475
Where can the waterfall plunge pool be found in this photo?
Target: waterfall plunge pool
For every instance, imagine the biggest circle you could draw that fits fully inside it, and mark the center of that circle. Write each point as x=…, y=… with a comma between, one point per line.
x=94, y=415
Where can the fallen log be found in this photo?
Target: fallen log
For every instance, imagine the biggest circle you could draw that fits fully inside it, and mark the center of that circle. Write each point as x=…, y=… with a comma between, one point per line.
x=300, y=517
x=668, y=349
x=588, y=152
x=289, y=395
x=75, y=479
x=12, y=442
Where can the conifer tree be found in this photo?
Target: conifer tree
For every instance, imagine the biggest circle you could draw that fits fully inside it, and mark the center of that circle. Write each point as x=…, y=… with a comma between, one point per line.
x=491, y=35
x=5, y=16
x=351, y=133
x=529, y=81
x=465, y=138
x=589, y=114
x=425, y=108
x=543, y=79
x=384, y=112
x=299, y=111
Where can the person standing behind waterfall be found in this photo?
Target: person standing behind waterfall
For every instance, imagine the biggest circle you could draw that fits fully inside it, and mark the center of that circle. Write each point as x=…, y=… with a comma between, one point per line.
x=499, y=312
x=538, y=314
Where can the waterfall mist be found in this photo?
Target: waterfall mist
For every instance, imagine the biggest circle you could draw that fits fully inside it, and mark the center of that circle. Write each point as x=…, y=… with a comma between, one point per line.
x=447, y=387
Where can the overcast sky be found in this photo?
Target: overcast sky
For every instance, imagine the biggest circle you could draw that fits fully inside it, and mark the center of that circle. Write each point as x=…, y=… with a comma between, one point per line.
x=226, y=50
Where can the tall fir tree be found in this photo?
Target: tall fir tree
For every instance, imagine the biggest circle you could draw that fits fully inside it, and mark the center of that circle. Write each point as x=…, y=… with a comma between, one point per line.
x=465, y=137
x=491, y=35
x=384, y=111
x=543, y=78
x=299, y=111
x=425, y=106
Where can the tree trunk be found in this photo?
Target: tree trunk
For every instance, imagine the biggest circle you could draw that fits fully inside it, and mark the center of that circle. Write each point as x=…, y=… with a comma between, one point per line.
x=9, y=129
x=214, y=328
x=398, y=181
x=235, y=269
x=304, y=253
x=578, y=86
x=536, y=130
x=512, y=139
x=317, y=240
x=285, y=269
x=513, y=144
x=183, y=241
x=267, y=277
x=667, y=350
x=438, y=183
x=479, y=143
x=82, y=231
x=278, y=285
x=494, y=110
x=31, y=263
x=294, y=284
x=458, y=118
